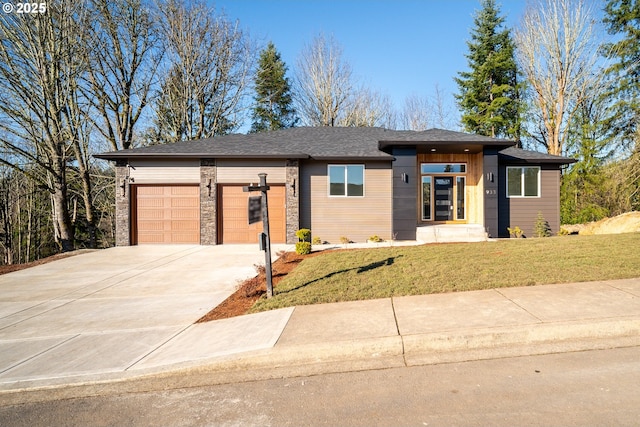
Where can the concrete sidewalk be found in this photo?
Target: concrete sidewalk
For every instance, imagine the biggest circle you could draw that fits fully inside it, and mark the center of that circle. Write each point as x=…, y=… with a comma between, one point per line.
x=373, y=334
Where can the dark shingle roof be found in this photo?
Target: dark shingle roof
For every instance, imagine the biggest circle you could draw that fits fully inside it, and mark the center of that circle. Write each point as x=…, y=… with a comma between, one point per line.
x=315, y=142
x=518, y=155
x=303, y=142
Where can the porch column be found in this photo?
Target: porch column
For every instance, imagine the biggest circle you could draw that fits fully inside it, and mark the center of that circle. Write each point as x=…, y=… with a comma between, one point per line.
x=292, y=194
x=123, y=204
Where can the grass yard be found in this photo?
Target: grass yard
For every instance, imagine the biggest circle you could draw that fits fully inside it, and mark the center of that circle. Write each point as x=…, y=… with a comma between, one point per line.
x=348, y=275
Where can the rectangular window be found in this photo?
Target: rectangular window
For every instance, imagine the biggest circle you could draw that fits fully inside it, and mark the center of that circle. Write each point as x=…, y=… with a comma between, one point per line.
x=443, y=168
x=460, y=197
x=426, y=198
x=346, y=180
x=523, y=181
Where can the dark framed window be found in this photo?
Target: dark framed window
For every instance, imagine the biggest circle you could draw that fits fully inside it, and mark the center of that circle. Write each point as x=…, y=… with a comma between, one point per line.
x=523, y=181
x=346, y=180
x=439, y=168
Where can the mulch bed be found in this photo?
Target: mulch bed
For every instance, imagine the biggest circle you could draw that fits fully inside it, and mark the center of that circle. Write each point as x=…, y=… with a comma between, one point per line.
x=252, y=289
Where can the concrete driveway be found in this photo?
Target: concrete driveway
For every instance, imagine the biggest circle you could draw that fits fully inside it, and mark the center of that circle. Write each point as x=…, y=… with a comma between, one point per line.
x=105, y=310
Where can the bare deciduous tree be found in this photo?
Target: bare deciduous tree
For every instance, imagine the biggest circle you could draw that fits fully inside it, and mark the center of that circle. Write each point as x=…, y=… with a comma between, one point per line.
x=123, y=59
x=417, y=113
x=208, y=63
x=556, y=53
x=424, y=112
x=40, y=64
x=323, y=83
x=370, y=108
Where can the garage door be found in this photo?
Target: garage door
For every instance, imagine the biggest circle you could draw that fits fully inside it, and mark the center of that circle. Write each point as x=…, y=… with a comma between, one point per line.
x=234, y=222
x=167, y=214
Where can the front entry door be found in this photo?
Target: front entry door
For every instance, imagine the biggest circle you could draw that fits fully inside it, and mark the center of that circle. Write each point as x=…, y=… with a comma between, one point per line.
x=444, y=198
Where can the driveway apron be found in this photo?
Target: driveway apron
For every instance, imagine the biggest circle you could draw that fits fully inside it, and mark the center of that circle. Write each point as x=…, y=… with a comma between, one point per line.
x=106, y=310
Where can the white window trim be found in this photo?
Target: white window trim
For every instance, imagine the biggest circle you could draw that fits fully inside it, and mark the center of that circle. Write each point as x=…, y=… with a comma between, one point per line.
x=346, y=183
x=522, y=185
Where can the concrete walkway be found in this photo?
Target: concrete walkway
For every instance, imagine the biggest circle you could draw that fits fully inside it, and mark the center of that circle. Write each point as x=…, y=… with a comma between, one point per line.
x=373, y=334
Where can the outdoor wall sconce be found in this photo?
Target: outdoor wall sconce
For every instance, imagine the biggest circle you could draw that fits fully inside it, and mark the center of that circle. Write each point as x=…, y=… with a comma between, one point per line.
x=405, y=177
x=209, y=187
x=126, y=179
x=490, y=176
x=123, y=185
x=293, y=186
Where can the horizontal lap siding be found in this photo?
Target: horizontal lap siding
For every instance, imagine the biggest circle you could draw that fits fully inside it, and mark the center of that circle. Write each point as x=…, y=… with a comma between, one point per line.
x=246, y=171
x=523, y=212
x=357, y=218
x=165, y=172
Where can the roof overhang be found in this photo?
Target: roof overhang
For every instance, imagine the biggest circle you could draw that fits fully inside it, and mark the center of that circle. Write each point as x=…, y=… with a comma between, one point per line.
x=449, y=147
x=525, y=157
x=116, y=155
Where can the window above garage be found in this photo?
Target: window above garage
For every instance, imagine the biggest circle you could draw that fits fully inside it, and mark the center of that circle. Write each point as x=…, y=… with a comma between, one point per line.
x=346, y=180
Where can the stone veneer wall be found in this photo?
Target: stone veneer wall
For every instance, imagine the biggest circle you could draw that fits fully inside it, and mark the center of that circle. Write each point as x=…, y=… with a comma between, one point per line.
x=293, y=199
x=208, y=202
x=123, y=204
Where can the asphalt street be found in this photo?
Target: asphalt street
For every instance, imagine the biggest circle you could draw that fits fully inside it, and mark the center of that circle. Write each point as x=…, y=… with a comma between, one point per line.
x=600, y=387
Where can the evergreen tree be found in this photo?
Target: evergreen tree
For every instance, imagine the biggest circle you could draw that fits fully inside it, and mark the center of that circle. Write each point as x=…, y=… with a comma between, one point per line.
x=273, y=107
x=622, y=19
x=489, y=92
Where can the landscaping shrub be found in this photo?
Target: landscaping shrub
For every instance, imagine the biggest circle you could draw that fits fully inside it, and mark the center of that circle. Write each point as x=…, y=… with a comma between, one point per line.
x=303, y=247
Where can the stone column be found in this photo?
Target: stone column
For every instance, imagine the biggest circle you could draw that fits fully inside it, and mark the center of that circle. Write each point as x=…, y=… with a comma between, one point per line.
x=123, y=204
x=292, y=199
x=208, y=202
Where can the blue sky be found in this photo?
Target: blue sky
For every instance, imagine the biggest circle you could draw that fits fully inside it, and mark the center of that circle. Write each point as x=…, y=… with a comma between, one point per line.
x=398, y=48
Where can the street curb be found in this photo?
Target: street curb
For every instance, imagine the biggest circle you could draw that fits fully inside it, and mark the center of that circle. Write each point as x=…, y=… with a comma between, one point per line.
x=348, y=356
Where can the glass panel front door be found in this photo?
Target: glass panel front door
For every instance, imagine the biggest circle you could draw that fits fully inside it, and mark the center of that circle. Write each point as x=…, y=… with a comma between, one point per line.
x=443, y=198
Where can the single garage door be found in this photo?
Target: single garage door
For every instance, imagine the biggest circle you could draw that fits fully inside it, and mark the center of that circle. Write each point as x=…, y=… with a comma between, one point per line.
x=234, y=222
x=166, y=214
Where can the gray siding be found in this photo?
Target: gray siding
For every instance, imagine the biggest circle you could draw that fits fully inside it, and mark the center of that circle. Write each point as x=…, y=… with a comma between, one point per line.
x=490, y=172
x=523, y=212
x=404, y=193
x=357, y=218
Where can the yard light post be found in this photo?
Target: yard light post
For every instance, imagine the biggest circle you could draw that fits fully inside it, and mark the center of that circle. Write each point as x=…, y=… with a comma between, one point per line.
x=265, y=238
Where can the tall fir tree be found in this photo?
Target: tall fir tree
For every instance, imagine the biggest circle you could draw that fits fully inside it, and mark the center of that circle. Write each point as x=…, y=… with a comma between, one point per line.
x=622, y=20
x=490, y=93
x=273, y=108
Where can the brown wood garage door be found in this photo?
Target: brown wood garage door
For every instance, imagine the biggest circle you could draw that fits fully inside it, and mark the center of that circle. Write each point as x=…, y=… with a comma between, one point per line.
x=233, y=219
x=166, y=214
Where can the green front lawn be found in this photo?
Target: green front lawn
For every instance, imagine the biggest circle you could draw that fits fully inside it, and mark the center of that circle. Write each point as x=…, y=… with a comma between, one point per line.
x=348, y=275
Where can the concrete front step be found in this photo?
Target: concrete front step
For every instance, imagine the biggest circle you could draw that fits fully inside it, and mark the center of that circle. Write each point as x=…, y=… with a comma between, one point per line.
x=448, y=233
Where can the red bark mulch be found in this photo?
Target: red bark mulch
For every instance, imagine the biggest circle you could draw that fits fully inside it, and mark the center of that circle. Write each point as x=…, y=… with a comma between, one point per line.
x=252, y=289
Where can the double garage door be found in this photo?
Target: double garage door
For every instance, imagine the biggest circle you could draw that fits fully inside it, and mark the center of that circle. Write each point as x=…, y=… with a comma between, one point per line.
x=170, y=214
